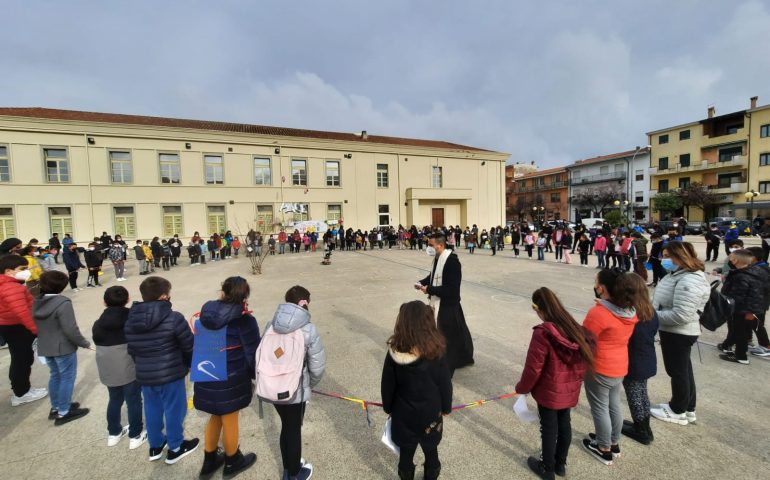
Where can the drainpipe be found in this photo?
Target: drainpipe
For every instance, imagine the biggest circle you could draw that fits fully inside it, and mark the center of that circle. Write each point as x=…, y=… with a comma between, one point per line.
x=90, y=188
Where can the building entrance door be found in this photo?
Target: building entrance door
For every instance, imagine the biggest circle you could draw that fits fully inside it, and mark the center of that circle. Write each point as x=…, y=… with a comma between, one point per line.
x=438, y=217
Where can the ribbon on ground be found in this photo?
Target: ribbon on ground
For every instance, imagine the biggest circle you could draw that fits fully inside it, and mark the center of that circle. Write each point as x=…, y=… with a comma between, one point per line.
x=365, y=404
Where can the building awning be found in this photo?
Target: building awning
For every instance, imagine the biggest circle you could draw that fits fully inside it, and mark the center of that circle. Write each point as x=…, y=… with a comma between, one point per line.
x=439, y=194
x=765, y=204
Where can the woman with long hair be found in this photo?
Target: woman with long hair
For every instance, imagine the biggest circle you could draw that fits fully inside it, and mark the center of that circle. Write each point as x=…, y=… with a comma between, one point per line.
x=619, y=296
x=559, y=354
x=416, y=388
x=678, y=299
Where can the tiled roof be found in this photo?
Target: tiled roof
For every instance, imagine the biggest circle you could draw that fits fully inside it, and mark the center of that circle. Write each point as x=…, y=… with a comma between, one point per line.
x=540, y=173
x=74, y=115
x=612, y=156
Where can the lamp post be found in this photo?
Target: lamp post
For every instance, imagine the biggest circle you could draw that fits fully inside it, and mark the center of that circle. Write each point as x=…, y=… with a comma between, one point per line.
x=625, y=206
x=750, y=197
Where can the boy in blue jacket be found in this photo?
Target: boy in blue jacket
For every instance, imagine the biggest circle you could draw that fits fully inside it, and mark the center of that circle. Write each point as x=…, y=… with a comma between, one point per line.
x=161, y=343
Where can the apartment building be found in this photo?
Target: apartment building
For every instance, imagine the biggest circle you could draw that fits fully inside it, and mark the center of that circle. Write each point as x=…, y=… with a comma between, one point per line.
x=539, y=196
x=83, y=173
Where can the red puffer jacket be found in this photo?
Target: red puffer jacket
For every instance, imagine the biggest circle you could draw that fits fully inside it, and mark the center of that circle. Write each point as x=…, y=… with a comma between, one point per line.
x=15, y=304
x=554, y=370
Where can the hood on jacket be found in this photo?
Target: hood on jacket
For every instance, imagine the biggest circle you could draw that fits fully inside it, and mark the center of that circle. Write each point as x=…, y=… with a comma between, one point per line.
x=145, y=316
x=623, y=314
x=45, y=306
x=402, y=358
x=567, y=350
x=641, y=241
x=289, y=317
x=113, y=318
x=755, y=271
x=216, y=314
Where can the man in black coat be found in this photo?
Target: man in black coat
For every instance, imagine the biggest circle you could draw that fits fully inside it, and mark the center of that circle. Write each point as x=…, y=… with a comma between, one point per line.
x=444, y=288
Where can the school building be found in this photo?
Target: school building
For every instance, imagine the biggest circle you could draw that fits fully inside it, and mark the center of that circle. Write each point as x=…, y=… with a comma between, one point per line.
x=83, y=173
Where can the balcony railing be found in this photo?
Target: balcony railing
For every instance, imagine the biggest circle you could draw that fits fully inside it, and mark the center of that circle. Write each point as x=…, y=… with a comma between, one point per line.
x=738, y=161
x=732, y=188
x=739, y=135
x=538, y=188
x=602, y=177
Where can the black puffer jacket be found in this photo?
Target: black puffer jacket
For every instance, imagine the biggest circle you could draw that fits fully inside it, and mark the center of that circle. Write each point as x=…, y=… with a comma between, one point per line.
x=221, y=398
x=750, y=288
x=161, y=342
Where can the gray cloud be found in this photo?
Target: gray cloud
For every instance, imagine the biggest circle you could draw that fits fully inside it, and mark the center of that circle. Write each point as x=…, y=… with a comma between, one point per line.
x=550, y=82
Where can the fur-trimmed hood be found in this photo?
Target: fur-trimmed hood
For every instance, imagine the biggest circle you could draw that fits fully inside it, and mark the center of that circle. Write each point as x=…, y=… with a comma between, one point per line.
x=403, y=358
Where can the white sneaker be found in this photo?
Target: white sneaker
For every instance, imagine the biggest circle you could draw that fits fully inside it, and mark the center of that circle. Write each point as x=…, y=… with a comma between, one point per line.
x=121, y=279
x=760, y=351
x=665, y=413
x=34, y=394
x=113, y=440
x=134, y=443
x=691, y=418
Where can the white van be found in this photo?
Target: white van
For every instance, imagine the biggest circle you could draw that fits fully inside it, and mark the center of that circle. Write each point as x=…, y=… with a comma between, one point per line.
x=590, y=222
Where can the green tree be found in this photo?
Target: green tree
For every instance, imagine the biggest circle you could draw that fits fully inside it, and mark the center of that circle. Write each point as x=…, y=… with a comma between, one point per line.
x=697, y=195
x=667, y=203
x=615, y=218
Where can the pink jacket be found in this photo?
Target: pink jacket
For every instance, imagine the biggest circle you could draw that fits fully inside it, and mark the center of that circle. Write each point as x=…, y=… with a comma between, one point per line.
x=600, y=244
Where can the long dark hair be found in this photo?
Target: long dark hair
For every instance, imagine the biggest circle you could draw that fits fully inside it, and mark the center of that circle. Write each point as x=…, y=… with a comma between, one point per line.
x=235, y=290
x=416, y=332
x=627, y=290
x=552, y=310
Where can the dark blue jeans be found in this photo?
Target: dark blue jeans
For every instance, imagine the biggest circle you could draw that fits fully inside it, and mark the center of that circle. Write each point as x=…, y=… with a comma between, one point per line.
x=132, y=395
x=165, y=402
x=63, y=369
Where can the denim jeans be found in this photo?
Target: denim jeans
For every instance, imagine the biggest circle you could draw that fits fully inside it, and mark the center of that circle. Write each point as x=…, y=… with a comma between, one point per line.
x=540, y=255
x=131, y=393
x=604, y=398
x=600, y=257
x=63, y=369
x=169, y=402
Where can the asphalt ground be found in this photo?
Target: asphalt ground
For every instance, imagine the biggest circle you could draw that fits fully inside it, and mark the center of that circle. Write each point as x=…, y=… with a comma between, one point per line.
x=354, y=304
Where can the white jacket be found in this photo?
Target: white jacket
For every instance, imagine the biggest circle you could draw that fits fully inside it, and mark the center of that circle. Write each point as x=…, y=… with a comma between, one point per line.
x=678, y=298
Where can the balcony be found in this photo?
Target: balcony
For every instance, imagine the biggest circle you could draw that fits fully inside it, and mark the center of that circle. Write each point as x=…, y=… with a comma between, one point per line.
x=738, y=161
x=740, y=136
x=732, y=188
x=602, y=177
x=539, y=188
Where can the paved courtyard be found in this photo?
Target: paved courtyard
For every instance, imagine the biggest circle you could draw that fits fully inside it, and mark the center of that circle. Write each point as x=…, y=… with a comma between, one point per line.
x=354, y=303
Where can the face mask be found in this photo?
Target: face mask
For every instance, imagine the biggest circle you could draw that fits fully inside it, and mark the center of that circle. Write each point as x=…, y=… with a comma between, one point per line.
x=596, y=293
x=35, y=254
x=668, y=264
x=34, y=246
x=431, y=251
x=734, y=249
x=22, y=276
x=91, y=249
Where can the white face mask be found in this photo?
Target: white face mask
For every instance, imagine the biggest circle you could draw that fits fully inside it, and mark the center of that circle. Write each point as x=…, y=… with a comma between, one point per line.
x=91, y=249
x=431, y=251
x=22, y=276
x=35, y=254
x=734, y=250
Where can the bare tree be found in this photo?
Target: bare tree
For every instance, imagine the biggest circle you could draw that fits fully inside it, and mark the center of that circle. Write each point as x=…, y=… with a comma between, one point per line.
x=523, y=205
x=597, y=200
x=697, y=195
x=250, y=245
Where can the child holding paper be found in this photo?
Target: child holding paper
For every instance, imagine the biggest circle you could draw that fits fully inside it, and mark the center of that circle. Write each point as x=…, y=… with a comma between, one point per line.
x=416, y=388
x=559, y=353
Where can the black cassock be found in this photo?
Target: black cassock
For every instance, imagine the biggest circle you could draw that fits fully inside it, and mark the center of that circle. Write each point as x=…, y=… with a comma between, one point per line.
x=451, y=320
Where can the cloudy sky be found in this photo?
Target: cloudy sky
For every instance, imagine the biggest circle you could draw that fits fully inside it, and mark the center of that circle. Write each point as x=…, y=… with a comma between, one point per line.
x=549, y=82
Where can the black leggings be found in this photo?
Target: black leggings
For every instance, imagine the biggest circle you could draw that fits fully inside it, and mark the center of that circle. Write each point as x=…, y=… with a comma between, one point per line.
x=291, y=435
x=676, y=358
x=556, y=435
x=74, y=279
x=19, y=341
x=638, y=399
x=406, y=457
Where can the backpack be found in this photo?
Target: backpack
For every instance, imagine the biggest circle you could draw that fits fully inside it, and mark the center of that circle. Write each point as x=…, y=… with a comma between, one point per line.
x=718, y=309
x=280, y=361
x=209, y=358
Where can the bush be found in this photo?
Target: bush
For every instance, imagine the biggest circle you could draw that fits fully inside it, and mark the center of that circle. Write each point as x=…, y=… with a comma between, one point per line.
x=615, y=218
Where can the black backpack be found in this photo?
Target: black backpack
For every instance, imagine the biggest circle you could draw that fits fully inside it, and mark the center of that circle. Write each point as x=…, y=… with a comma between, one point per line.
x=718, y=309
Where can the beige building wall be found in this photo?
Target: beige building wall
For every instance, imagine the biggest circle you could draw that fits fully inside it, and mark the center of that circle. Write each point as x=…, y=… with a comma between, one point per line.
x=92, y=196
x=759, y=145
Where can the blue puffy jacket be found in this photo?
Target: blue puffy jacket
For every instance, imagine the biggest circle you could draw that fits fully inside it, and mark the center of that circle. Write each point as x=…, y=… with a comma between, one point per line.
x=731, y=235
x=221, y=398
x=72, y=259
x=160, y=341
x=642, y=361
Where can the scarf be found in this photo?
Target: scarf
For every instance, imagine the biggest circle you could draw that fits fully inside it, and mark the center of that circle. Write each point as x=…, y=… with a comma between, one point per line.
x=436, y=280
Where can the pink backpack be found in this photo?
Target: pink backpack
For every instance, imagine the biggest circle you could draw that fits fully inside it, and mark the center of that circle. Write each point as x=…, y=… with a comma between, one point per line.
x=280, y=359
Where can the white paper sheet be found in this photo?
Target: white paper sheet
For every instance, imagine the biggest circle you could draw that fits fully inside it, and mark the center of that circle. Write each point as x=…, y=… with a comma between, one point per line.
x=522, y=410
x=387, y=440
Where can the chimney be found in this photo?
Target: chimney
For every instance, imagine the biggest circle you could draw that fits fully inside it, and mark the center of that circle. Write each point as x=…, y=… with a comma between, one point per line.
x=754, y=102
x=712, y=111
x=364, y=135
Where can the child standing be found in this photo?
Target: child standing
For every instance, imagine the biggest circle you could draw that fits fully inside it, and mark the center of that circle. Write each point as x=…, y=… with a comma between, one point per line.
x=271, y=244
x=117, y=371
x=416, y=388
x=566, y=241
x=58, y=338
x=192, y=251
x=292, y=316
x=149, y=258
x=116, y=256
x=558, y=357
x=229, y=318
x=529, y=242
x=541, y=246
x=584, y=245
x=140, y=258
x=236, y=246
x=94, y=259
x=72, y=262
x=161, y=343
x=165, y=250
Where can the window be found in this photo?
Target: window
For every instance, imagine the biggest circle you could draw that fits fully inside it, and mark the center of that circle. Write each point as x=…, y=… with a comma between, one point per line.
x=662, y=186
x=5, y=166
x=60, y=220
x=684, y=135
x=727, y=154
x=382, y=177
x=7, y=223
x=125, y=221
x=684, y=159
x=663, y=163
x=604, y=169
x=639, y=175
x=684, y=182
x=764, y=187
x=120, y=166
x=262, y=171
x=56, y=165
x=576, y=174
x=172, y=220
x=170, y=170
x=215, y=169
x=215, y=214
x=384, y=215
x=555, y=197
x=732, y=129
x=764, y=131
x=764, y=159
x=264, y=218
x=299, y=172
x=437, y=178
x=662, y=139
x=334, y=212
x=332, y=173
x=302, y=212
x=727, y=179
x=639, y=197
x=619, y=167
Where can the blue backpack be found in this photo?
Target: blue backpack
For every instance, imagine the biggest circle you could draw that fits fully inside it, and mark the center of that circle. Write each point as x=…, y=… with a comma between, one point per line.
x=209, y=360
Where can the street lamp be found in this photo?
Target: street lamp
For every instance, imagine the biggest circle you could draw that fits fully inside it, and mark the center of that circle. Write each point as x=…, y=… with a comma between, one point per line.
x=625, y=206
x=750, y=197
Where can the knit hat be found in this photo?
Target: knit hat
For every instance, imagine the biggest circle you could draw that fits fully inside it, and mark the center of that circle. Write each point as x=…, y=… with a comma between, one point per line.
x=8, y=244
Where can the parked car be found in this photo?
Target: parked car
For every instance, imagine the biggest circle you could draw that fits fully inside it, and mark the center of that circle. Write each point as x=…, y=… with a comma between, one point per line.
x=590, y=222
x=694, y=228
x=744, y=226
x=554, y=223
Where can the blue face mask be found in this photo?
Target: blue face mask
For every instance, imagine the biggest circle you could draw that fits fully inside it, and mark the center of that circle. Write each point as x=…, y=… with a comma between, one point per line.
x=668, y=264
